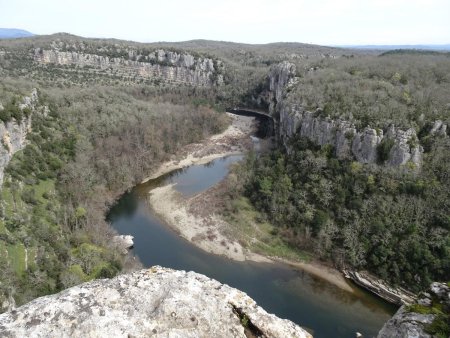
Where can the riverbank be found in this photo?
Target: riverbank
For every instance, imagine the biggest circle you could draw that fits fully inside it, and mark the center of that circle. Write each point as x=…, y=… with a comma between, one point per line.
x=206, y=232
x=197, y=219
x=233, y=141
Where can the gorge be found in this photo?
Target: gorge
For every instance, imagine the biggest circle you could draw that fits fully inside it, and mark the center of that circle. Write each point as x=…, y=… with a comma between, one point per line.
x=312, y=300
x=356, y=178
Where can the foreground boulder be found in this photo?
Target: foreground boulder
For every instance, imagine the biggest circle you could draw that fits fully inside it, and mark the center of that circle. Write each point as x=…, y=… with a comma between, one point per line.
x=157, y=302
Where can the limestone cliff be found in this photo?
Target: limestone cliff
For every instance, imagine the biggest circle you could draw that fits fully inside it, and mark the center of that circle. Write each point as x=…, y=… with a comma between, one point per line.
x=158, y=302
x=13, y=133
x=348, y=142
x=159, y=65
x=424, y=319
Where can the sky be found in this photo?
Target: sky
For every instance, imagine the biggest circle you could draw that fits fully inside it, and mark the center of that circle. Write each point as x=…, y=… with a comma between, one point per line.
x=325, y=22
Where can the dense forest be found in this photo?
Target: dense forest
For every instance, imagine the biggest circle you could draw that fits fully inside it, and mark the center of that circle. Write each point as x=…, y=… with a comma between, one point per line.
x=408, y=89
x=391, y=221
x=93, y=144
x=102, y=134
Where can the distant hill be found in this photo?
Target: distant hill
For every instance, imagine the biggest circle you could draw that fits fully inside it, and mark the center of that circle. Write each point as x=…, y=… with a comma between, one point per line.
x=445, y=47
x=12, y=33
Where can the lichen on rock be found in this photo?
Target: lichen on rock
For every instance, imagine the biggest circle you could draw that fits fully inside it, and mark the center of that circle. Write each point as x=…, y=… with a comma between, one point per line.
x=157, y=302
x=426, y=318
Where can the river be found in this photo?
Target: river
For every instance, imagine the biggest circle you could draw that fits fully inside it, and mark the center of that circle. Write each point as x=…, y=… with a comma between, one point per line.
x=322, y=308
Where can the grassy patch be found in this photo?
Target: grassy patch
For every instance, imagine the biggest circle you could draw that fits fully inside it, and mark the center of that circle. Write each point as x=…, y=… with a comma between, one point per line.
x=2, y=227
x=249, y=228
x=425, y=310
x=276, y=247
x=43, y=189
x=8, y=197
x=15, y=207
x=16, y=255
x=32, y=252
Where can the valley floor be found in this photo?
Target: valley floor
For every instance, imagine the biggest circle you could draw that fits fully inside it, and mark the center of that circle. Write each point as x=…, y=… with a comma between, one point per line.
x=233, y=141
x=198, y=219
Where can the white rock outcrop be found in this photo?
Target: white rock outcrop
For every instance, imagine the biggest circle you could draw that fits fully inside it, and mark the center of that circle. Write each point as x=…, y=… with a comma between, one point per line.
x=13, y=133
x=123, y=242
x=157, y=302
x=348, y=142
x=439, y=128
x=406, y=324
x=165, y=65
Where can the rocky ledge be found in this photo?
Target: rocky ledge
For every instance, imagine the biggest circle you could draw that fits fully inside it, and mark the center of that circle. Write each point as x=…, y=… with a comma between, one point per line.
x=428, y=317
x=395, y=295
x=164, y=65
x=157, y=302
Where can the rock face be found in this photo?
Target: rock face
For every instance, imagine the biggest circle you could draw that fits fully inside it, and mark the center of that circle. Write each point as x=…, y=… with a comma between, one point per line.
x=348, y=142
x=158, y=302
x=171, y=67
x=409, y=324
x=280, y=76
x=439, y=128
x=393, y=295
x=13, y=133
x=123, y=242
x=406, y=324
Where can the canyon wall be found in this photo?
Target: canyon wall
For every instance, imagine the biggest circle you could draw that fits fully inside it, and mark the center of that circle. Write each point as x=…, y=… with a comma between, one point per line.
x=13, y=133
x=167, y=66
x=347, y=141
x=156, y=302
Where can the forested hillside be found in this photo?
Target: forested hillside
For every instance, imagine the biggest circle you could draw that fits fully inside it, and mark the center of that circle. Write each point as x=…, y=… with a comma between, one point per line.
x=408, y=90
x=101, y=130
x=391, y=220
x=93, y=144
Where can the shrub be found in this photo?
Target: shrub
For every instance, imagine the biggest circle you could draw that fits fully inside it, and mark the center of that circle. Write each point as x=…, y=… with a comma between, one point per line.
x=384, y=149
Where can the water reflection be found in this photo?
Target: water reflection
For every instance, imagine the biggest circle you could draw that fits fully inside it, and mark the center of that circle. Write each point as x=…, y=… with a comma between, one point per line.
x=280, y=289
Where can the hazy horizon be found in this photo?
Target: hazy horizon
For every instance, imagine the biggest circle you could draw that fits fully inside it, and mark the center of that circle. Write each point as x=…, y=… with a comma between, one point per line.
x=324, y=22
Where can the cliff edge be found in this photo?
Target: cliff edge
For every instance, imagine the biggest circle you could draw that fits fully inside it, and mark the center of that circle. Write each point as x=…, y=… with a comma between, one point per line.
x=428, y=317
x=157, y=302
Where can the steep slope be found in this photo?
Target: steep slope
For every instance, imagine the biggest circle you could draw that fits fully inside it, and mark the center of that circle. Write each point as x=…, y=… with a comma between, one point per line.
x=79, y=60
x=13, y=132
x=168, y=66
x=360, y=177
x=158, y=301
x=348, y=142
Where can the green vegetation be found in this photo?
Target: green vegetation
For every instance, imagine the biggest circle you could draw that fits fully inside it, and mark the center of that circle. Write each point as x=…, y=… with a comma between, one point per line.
x=390, y=222
x=384, y=149
x=251, y=229
x=92, y=145
x=104, y=132
x=440, y=326
x=405, y=90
